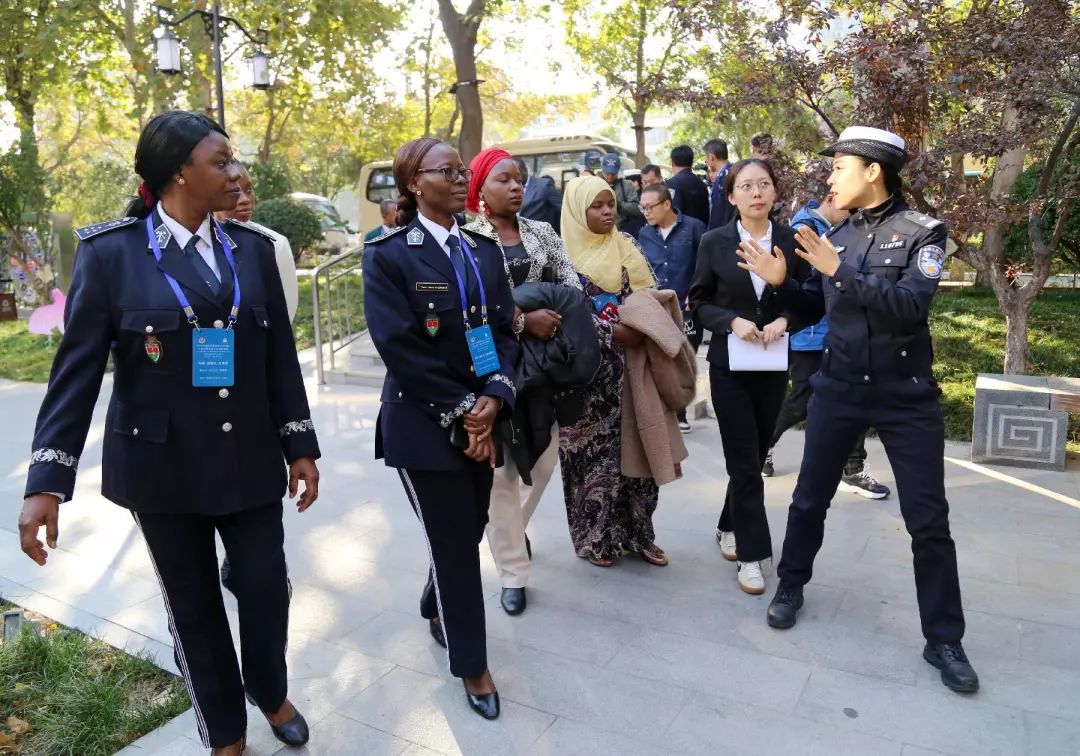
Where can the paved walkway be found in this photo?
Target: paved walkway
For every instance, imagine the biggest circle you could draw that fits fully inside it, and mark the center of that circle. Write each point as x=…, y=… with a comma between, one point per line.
x=630, y=660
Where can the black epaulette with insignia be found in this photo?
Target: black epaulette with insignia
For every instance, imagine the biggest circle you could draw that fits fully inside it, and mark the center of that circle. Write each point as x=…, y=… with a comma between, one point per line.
x=387, y=235
x=97, y=229
x=921, y=219
x=252, y=228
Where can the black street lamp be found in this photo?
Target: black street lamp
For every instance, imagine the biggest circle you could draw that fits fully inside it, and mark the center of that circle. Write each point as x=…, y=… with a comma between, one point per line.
x=167, y=47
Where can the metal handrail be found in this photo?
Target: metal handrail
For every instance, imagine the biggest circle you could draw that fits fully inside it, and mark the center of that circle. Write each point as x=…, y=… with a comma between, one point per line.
x=340, y=270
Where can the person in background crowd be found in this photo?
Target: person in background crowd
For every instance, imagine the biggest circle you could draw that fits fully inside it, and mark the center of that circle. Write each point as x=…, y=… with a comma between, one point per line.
x=690, y=195
x=283, y=255
x=587, y=172
x=716, y=157
x=875, y=275
x=728, y=300
x=194, y=451
x=542, y=200
x=634, y=177
x=805, y=359
x=787, y=176
x=627, y=210
x=440, y=313
x=670, y=242
x=651, y=174
x=607, y=511
x=388, y=211
x=529, y=247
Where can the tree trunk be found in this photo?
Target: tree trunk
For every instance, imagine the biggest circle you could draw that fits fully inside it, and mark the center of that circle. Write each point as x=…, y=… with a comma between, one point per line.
x=1016, y=335
x=1008, y=168
x=461, y=32
x=640, y=159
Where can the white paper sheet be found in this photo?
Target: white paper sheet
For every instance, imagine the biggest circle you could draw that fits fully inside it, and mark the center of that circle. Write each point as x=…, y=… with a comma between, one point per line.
x=751, y=355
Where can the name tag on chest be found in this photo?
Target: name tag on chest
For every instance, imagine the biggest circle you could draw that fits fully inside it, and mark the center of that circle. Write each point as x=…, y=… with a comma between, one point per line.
x=213, y=357
x=482, y=350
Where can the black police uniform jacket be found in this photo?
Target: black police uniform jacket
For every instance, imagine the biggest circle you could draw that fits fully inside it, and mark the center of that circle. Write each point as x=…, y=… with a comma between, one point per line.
x=891, y=260
x=168, y=446
x=430, y=382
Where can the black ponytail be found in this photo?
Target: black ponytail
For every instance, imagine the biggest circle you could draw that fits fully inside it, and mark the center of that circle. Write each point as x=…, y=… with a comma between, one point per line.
x=165, y=145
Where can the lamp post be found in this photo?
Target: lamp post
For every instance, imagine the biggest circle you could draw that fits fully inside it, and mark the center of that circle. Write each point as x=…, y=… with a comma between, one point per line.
x=167, y=48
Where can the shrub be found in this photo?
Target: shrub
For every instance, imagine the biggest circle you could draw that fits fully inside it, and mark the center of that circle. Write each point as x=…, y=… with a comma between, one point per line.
x=297, y=223
x=270, y=180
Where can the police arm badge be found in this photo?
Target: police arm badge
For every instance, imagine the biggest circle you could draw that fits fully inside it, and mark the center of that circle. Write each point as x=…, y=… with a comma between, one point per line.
x=931, y=261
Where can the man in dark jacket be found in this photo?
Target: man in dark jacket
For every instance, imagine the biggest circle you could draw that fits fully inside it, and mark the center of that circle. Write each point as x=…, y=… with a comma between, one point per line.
x=542, y=200
x=629, y=219
x=721, y=211
x=691, y=195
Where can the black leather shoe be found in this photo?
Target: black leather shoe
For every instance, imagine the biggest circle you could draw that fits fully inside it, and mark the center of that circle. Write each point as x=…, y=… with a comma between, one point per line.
x=437, y=632
x=785, y=605
x=486, y=705
x=956, y=671
x=513, y=601
x=292, y=733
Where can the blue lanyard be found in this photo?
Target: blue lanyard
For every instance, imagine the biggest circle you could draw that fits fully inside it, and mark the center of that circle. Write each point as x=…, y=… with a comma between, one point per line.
x=189, y=311
x=461, y=286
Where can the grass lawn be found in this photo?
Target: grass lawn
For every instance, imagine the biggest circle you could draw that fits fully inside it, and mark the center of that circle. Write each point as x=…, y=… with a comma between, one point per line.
x=25, y=356
x=65, y=694
x=969, y=338
x=304, y=322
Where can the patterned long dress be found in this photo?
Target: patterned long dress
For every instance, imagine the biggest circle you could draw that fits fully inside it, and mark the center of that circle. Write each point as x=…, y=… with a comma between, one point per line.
x=607, y=511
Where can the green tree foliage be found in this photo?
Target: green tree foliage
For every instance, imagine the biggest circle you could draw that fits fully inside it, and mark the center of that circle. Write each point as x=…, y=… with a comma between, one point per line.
x=272, y=180
x=297, y=223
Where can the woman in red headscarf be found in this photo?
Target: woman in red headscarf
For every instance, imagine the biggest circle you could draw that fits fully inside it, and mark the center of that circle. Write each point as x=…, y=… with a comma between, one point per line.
x=533, y=252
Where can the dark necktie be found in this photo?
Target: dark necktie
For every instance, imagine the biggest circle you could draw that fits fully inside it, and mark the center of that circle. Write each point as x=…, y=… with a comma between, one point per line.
x=457, y=257
x=205, y=272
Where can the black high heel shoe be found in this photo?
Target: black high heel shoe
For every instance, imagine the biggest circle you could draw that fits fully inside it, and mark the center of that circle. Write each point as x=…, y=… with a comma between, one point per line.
x=484, y=704
x=294, y=733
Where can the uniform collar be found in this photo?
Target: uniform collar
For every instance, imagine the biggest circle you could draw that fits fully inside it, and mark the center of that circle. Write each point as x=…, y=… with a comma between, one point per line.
x=873, y=216
x=439, y=233
x=181, y=233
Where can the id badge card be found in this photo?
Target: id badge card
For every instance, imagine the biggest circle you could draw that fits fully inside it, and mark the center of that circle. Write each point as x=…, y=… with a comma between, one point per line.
x=482, y=349
x=607, y=305
x=213, y=357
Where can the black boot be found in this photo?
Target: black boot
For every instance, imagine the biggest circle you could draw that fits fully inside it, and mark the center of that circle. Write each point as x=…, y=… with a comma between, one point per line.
x=956, y=671
x=785, y=605
x=513, y=601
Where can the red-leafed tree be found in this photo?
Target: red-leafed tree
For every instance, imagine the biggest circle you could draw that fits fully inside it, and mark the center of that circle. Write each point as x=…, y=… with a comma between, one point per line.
x=991, y=85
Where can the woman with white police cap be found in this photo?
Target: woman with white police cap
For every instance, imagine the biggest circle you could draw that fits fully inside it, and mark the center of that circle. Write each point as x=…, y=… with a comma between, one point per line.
x=875, y=274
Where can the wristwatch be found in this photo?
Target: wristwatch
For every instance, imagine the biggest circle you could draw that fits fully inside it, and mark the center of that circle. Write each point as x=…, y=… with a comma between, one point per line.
x=519, y=324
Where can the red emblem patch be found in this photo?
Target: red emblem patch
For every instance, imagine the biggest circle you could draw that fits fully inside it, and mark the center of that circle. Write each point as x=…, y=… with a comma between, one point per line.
x=153, y=349
x=432, y=324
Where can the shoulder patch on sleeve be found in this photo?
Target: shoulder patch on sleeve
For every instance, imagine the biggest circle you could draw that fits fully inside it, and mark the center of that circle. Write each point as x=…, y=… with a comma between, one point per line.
x=931, y=261
x=252, y=228
x=96, y=229
x=387, y=235
x=921, y=219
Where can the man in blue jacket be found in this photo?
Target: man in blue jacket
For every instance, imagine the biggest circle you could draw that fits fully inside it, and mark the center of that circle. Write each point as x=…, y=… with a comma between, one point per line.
x=805, y=359
x=670, y=243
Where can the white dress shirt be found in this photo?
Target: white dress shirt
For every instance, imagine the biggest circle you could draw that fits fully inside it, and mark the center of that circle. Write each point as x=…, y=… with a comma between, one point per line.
x=204, y=246
x=766, y=244
x=440, y=233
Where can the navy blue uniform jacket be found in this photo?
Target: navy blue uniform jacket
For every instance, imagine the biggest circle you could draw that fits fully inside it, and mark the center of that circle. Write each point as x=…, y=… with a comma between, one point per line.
x=168, y=446
x=429, y=378
x=891, y=259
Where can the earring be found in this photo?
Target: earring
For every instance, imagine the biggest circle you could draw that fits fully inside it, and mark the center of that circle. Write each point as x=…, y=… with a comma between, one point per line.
x=181, y=181
x=417, y=192
x=483, y=208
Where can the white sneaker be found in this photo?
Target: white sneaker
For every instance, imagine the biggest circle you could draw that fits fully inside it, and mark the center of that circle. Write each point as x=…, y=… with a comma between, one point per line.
x=726, y=539
x=751, y=578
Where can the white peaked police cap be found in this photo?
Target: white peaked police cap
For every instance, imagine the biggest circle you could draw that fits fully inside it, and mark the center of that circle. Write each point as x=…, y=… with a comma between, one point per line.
x=870, y=143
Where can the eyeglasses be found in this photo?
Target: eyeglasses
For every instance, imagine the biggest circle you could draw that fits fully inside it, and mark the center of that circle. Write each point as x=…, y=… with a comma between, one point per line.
x=764, y=185
x=450, y=174
x=649, y=208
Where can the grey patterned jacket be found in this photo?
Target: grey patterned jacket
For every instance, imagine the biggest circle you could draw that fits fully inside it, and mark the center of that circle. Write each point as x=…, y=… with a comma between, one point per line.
x=542, y=244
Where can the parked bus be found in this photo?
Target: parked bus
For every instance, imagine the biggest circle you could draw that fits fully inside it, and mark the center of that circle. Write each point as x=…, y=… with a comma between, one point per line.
x=561, y=157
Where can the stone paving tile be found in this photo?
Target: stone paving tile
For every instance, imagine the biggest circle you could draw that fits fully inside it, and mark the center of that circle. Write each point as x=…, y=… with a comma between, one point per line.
x=1050, y=644
x=101, y=591
x=567, y=737
x=631, y=704
x=710, y=725
x=1051, y=736
x=910, y=750
x=757, y=679
x=323, y=676
x=987, y=565
x=337, y=735
x=433, y=713
x=929, y=717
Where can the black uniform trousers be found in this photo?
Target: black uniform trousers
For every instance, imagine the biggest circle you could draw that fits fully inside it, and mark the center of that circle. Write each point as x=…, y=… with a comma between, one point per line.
x=907, y=415
x=453, y=510
x=793, y=411
x=746, y=405
x=183, y=551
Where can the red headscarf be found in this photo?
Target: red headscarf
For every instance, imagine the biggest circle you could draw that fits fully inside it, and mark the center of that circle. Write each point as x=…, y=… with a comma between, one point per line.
x=481, y=166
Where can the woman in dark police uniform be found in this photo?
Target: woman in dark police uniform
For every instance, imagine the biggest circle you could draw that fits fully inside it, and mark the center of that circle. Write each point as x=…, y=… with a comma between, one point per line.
x=875, y=274
x=208, y=404
x=440, y=312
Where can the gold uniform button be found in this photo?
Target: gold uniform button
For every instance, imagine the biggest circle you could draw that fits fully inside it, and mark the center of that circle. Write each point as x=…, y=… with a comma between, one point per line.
x=223, y=393
x=226, y=427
